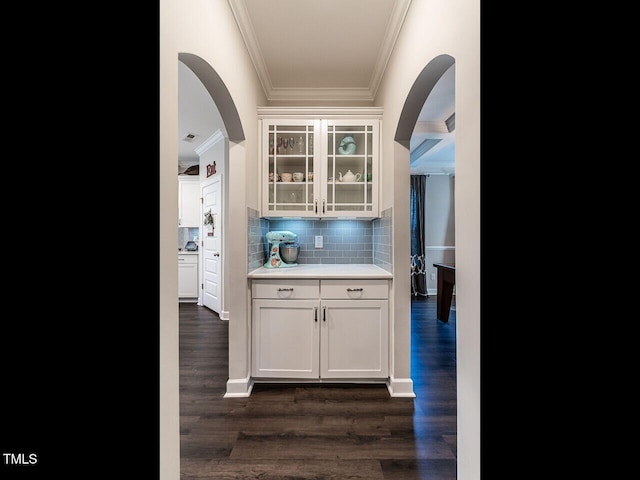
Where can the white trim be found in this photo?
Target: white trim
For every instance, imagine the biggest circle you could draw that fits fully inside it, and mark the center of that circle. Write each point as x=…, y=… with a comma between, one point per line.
x=239, y=387
x=400, y=387
x=209, y=142
x=321, y=94
x=398, y=14
x=440, y=247
x=316, y=112
x=245, y=26
x=431, y=127
x=224, y=315
x=243, y=20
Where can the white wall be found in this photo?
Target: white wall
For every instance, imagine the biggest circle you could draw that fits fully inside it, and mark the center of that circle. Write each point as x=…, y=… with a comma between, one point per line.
x=191, y=30
x=433, y=28
x=440, y=238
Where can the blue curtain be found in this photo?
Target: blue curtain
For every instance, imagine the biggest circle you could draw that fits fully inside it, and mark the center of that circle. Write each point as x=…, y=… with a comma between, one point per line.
x=417, y=208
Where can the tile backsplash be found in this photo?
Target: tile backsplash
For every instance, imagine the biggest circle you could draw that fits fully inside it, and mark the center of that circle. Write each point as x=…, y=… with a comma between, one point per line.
x=344, y=241
x=382, y=244
x=256, y=248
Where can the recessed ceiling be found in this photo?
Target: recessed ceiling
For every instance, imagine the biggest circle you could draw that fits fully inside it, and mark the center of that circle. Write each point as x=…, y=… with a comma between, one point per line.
x=318, y=51
x=432, y=144
x=322, y=52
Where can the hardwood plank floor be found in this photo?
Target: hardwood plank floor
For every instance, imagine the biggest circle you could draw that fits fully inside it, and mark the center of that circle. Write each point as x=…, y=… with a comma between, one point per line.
x=304, y=431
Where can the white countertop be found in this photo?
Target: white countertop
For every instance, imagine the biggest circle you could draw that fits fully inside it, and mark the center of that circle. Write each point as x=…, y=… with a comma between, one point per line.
x=308, y=270
x=187, y=252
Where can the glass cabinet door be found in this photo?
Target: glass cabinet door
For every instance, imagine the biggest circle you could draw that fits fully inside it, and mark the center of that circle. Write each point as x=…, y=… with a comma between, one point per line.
x=290, y=168
x=320, y=167
x=351, y=168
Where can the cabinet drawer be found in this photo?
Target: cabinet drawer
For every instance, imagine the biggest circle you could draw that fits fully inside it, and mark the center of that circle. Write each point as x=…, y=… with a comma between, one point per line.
x=285, y=289
x=187, y=259
x=355, y=289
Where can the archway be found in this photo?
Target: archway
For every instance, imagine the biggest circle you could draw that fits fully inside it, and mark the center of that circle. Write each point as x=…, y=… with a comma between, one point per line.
x=219, y=94
x=234, y=133
x=427, y=84
x=418, y=94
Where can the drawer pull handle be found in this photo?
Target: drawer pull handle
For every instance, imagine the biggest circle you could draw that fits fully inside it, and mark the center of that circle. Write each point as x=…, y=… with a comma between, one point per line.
x=324, y=313
x=355, y=289
x=286, y=289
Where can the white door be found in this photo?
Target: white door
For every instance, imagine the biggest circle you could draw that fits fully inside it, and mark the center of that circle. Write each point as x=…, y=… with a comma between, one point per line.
x=212, y=246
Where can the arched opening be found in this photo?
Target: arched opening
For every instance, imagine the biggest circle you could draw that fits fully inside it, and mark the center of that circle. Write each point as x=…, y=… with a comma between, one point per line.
x=219, y=93
x=424, y=131
x=417, y=96
x=230, y=131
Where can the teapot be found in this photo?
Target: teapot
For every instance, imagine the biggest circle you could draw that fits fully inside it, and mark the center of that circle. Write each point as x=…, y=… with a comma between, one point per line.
x=349, y=176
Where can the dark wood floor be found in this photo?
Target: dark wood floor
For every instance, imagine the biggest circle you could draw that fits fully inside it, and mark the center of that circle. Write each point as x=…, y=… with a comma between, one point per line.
x=317, y=432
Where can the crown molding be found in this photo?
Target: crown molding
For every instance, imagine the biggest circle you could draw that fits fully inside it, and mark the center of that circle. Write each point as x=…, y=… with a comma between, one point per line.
x=320, y=94
x=400, y=9
x=431, y=127
x=278, y=94
x=315, y=112
x=423, y=148
x=209, y=142
x=243, y=20
x=451, y=122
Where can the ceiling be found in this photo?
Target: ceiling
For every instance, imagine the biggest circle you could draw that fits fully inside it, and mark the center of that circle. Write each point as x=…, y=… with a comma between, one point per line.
x=310, y=52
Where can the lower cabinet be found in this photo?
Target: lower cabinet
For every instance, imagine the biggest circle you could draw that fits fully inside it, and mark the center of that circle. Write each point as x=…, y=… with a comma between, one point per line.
x=188, y=276
x=320, y=329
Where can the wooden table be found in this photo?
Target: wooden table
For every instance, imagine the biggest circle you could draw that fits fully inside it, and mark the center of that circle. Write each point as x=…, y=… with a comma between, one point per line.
x=446, y=281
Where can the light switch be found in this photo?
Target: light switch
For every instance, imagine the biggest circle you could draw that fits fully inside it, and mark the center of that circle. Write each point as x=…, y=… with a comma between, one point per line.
x=318, y=241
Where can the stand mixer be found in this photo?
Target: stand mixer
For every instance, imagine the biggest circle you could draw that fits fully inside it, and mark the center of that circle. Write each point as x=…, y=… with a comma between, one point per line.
x=274, y=239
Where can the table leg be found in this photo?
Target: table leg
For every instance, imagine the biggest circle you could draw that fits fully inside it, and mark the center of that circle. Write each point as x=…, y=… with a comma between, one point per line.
x=445, y=295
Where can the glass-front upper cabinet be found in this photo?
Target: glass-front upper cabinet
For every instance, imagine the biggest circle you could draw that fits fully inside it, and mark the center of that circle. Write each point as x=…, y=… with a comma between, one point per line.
x=289, y=150
x=351, y=184
x=319, y=167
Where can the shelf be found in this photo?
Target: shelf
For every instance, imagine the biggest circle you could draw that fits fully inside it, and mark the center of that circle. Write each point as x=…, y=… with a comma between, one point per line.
x=292, y=184
x=348, y=183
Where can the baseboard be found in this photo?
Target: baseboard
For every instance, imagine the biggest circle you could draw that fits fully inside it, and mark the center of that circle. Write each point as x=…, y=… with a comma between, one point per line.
x=188, y=300
x=401, y=387
x=239, y=387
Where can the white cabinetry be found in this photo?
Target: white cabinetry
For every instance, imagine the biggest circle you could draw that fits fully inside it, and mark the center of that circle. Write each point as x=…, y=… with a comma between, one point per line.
x=321, y=151
x=188, y=201
x=320, y=329
x=188, y=276
x=354, y=339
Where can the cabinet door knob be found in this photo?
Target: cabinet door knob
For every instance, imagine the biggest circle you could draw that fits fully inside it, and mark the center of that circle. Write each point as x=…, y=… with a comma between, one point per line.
x=324, y=314
x=315, y=314
x=316, y=202
x=216, y=254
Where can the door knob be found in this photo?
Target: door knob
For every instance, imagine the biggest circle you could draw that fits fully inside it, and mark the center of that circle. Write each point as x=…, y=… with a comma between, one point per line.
x=216, y=254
